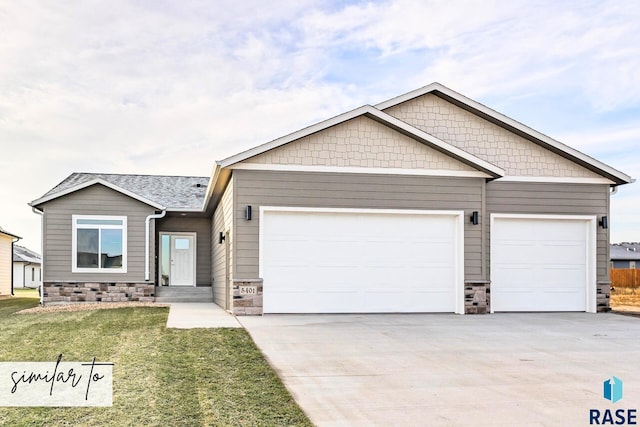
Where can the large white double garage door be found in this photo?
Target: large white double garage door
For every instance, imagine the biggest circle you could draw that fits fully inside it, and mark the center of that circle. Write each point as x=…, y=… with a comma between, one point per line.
x=361, y=261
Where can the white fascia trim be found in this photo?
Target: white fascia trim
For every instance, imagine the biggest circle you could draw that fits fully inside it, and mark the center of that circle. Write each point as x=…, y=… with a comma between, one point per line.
x=459, y=239
x=506, y=120
x=591, y=224
x=93, y=182
x=382, y=117
x=360, y=210
x=554, y=179
x=362, y=170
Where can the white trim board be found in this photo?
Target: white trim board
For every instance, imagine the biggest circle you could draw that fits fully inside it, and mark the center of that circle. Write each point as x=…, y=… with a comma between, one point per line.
x=359, y=170
x=554, y=179
x=591, y=224
x=459, y=241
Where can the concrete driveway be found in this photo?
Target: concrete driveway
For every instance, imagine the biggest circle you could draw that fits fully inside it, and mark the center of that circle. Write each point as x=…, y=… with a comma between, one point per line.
x=430, y=370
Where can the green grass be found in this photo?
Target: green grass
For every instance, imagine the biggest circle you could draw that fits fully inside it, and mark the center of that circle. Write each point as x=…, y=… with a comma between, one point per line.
x=162, y=377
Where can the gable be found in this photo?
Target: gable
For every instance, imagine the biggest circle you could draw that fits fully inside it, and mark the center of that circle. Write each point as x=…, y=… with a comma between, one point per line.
x=360, y=142
x=486, y=140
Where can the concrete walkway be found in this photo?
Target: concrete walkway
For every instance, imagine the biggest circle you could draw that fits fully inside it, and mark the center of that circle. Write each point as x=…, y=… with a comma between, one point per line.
x=189, y=315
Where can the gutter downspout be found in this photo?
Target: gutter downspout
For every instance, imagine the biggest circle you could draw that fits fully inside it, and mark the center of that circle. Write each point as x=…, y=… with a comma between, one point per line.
x=147, y=238
x=41, y=213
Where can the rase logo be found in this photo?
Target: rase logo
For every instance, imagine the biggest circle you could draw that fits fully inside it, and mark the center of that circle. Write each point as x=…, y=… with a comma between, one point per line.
x=612, y=391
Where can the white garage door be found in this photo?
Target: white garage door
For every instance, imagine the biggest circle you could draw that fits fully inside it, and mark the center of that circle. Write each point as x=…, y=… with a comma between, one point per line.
x=540, y=264
x=351, y=261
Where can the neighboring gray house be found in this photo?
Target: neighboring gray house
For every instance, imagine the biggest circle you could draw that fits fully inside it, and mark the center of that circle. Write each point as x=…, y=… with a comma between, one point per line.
x=428, y=202
x=26, y=268
x=625, y=255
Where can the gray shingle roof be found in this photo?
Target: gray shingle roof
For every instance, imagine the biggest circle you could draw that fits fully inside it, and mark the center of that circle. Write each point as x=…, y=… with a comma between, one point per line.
x=22, y=254
x=173, y=192
x=625, y=251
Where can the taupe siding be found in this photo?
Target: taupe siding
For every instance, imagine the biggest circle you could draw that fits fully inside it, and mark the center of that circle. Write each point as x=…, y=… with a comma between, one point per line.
x=558, y=199
x=94, y=200
x=222, y=221
x=5, y=264
x=267, y=188
x=202, y=228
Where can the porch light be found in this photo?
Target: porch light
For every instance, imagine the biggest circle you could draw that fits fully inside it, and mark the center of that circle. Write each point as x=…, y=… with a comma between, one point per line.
x=247, y=213
x=221, y=237
x=474, y=218
x=604, y=222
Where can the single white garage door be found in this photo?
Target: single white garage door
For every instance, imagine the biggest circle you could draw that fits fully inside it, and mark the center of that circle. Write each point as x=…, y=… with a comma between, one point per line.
x=539, y=264
x=350, y=261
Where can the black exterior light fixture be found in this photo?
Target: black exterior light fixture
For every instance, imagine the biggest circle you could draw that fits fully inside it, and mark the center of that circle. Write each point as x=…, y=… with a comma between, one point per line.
x=604, y=222
x=221, y=237
x=474, y=218
x=247, y=213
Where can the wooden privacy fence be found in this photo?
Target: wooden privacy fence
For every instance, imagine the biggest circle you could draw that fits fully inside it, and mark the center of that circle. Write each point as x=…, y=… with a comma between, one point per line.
x=625, y=277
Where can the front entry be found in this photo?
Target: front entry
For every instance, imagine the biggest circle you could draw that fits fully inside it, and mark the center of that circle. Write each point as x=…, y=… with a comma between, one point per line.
x=177, y=259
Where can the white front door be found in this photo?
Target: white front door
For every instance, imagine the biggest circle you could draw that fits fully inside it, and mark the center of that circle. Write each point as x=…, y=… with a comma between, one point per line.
x=182, y=260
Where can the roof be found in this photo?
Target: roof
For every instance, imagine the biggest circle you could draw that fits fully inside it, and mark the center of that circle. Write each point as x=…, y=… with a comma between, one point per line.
x=513, y=126
x=22, y=254
x=625, y=251
x=160, y=191
x=3, y=231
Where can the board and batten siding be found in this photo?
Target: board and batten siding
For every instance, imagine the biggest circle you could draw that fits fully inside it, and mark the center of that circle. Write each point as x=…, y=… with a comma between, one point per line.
x=6, y=258
x=343, y=190
x=202, y=228
x=553, y=199
x=94, y=200
x=222, y=221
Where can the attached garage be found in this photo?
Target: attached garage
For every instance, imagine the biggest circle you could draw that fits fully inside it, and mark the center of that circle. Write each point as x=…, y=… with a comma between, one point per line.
x=361, y=261
x=543, y=263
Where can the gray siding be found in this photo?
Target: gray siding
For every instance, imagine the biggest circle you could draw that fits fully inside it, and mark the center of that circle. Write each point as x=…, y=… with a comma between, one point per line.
x=202, y=228
x=94, y=200
x=305, y=189
x=222, y=221
x=552, y=198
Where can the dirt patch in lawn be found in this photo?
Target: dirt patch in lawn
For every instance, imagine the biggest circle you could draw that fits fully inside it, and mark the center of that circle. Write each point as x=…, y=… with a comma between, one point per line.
x=625, y=300
x=87, y=307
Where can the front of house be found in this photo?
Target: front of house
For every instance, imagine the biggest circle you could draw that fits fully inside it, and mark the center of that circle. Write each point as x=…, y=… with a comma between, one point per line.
x=428, y=202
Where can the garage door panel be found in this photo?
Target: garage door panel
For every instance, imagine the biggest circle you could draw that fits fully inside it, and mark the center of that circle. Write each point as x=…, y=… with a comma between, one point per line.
x=337, y=262
x=539, y=264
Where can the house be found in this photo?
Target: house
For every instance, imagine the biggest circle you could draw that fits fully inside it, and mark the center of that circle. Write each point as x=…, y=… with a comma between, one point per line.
x=427, y=202
x=625, y=255
x=26, y=268
x=6, y=249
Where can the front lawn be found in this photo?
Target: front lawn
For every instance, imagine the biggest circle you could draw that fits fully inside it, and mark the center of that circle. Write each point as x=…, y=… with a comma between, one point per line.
x=162, y=377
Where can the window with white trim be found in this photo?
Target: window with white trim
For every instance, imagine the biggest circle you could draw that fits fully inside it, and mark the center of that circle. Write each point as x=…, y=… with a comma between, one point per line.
x=99, y=244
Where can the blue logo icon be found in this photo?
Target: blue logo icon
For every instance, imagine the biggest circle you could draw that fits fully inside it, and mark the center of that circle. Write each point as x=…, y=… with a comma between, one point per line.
x=613, y=389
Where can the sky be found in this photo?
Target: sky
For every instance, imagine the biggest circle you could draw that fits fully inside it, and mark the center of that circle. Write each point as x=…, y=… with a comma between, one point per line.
x=168, y=87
